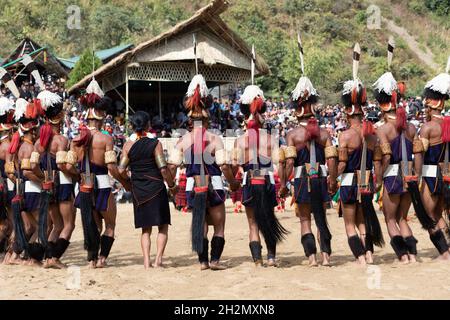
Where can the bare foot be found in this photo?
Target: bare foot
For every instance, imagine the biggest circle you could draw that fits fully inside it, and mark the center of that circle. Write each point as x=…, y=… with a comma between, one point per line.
x=325, y=259
x=272, y=263
x=34, y=263
x=412, y=258
x=369, y=257
x=215, y=265
x=312, y=261
x=147, y=266
x=204, y=266
x=259, y=263
x=92, y=264
x=404, y=259
x=361, y=261
x=56, y=264
x=7, y=258
x=101, y=263
x=158, y=263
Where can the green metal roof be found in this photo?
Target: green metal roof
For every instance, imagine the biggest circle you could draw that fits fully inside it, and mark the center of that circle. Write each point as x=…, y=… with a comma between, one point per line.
x=104, y=55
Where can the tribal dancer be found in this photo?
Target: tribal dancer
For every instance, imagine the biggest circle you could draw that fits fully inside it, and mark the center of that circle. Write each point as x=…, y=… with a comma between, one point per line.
x=205, y=162
x=145, y=158
x=309, y=149
x=26, y=202
x=253, y=151
x=435, y=136
x=6, y=185
x=48, y=162
x=357, y=148
x=91, y=157
x=398, y=142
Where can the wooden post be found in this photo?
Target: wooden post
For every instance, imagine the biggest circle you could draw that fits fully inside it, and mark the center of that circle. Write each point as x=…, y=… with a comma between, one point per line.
x=127, y=104
x=159, y=101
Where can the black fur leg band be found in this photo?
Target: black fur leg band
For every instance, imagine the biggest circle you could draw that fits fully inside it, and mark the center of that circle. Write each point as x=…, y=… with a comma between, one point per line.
x=309, y=244
x=106, y=243
x=49, y=250
x=92, y=255
x=203, y=256
x=356, y=246
x=399, y=246
x=217, y=245
x=36, y=251
x=368, y=243
x=411, y=244
x=60, y=247
x=256, y=250
x=439, y=241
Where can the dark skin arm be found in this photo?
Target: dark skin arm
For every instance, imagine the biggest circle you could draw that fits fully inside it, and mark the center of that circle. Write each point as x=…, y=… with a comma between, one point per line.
x=288, y=167
x=418, y=157
x=112, y=167
x=342, y=144
x=25, y=153
x=165, y=172
x=123, y=170
x=332, y=168
x=35, y=167
x=72, y=169
x=386, y=158
x=8, y=158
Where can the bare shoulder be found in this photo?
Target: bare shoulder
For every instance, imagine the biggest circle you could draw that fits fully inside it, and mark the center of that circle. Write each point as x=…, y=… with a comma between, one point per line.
x=324, y=136
x=127, y=146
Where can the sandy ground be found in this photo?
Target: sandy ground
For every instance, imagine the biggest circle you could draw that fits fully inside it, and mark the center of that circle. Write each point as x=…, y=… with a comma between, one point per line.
x=125, y=278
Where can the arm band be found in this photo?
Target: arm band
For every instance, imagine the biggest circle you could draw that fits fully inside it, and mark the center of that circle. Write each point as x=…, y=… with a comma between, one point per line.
x=237, y=155
x=425, y=143
x=385, y=149
x=331, y=152
x=160, y=161
x=61, y=157
x=9, y=167
x=34, y=159
x=418, y=146
x=343, y=154
x=175, y=157
x=377, y=154
x=25, y=164
x=290, y=152
x=110, y=157
x=72, y=157
x=221, y=157
x=124, y=162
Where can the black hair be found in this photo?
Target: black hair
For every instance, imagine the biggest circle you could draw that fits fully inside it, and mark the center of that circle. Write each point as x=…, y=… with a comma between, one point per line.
x=382, y=97
x=435, y=95
x=54, y=111
x=140, y=121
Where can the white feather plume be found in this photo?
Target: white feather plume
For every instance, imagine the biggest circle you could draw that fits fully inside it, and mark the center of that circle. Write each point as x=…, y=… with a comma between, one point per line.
x=48, y=99
x=440, y=83
x=350, y=84
x=304, y=85
x=386, y=83
x=94, y=87
x=21, y=108
x=250, y=93
x=5, y=105
x=197, y=80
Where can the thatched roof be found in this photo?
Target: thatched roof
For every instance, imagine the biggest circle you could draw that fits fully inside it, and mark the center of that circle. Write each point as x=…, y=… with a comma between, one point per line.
x=51, y=63
x=207, y=16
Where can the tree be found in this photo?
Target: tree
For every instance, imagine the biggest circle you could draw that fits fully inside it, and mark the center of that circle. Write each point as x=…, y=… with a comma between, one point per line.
x=83, y=67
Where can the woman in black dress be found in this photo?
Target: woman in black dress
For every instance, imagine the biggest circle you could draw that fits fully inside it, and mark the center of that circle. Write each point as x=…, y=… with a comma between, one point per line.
x=145, y=159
